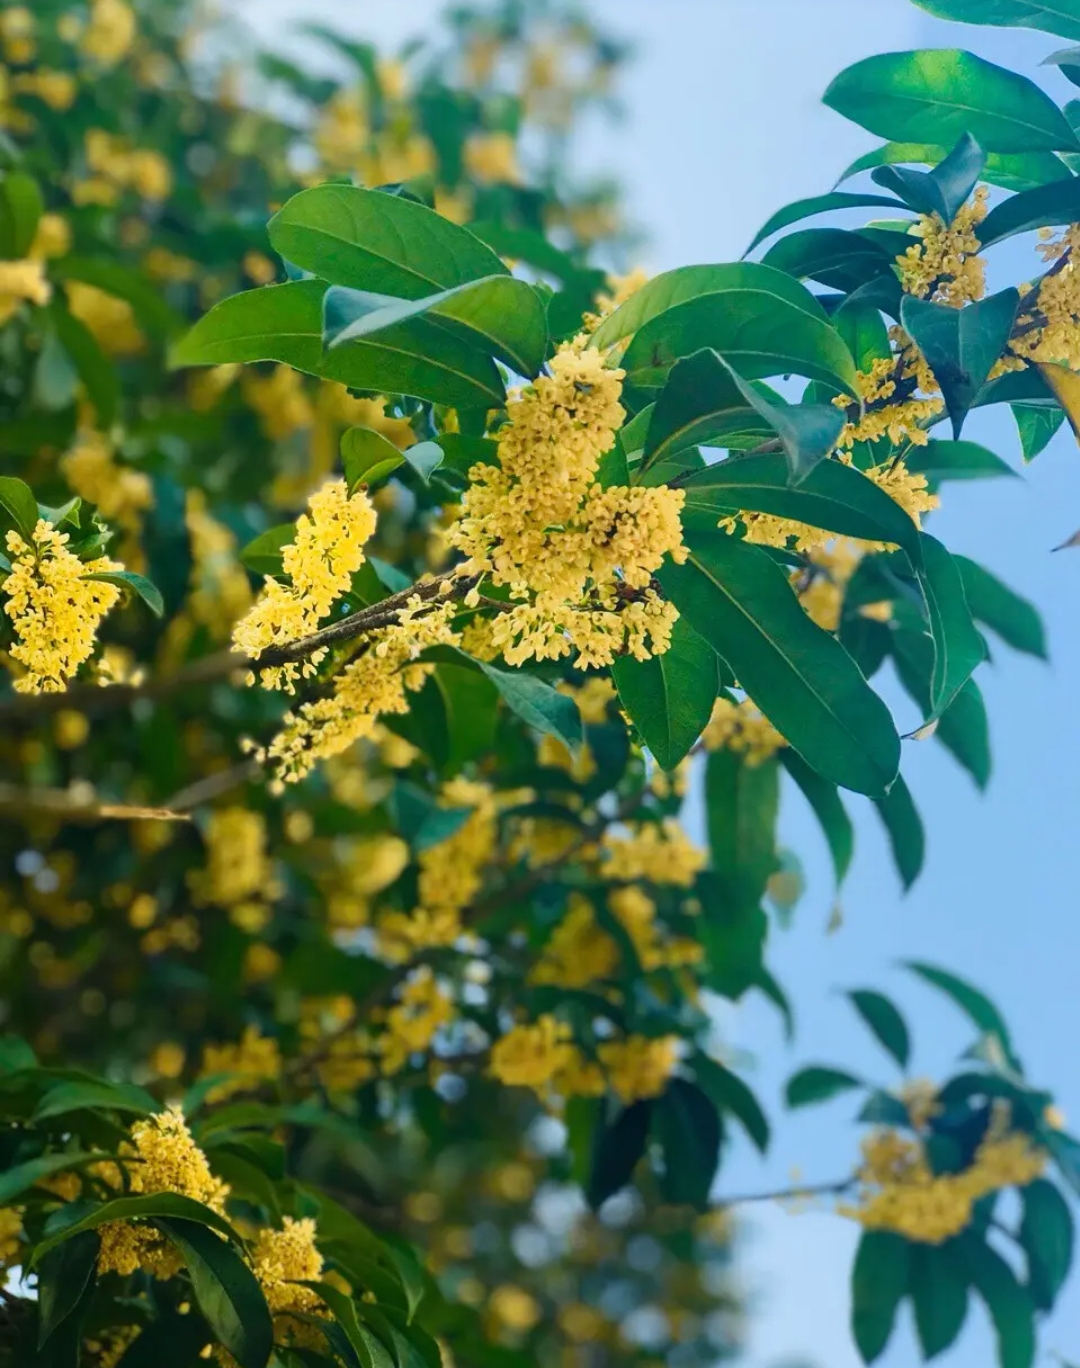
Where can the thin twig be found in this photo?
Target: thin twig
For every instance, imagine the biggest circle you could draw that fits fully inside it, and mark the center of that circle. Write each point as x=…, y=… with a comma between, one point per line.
x=834, y=1189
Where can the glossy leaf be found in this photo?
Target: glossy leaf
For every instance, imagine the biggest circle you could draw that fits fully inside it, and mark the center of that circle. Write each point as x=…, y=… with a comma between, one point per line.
x=1047, y=1236
x=828, y=808
x=1009, y=1304
x=276, y=323
x=1001, y=609
x=733, y=1097
x=741, y=806
x=1050, y=206
x=537, y=704
x=80, y=1095
x=135, y=584
x=939, y=461
x=501, y=315
x=945, y=189
x=262, y=555
x=817, y=1083
x=937, y=95
x=225, y=1289
x=904, y=827
x=19, y=505
x=820, y=204
x=21, y=207
x=619, y=1147
x=1012, y=171
x=800, y=677
x=958, y=647
x=63, y=1278
x=670, y=697
x=963, y=728
x=153, y=1206
x=939, y=1293
x=1067, y=61
x=879, y=1281
x=1054, y=16
x=688, y=1128
x=974, y=1004
x=20, y=1177
x=883, y=1018
x=701, y=405
x=837, y=257
x=369, y=240
x=1037, y=425
x=367, y=456
x=961, y=345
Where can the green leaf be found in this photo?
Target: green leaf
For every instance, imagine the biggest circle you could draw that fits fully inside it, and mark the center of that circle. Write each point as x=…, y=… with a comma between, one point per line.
x=939, y=1292
x=817, y=1083
x=833, y=496
x=974, y=1004
x=731, y=1095
x=937, y=95
x=226, y=1290
x=1019, y=171
x=1067, y=61
x=1009, y=1304
x=503, y=316
x=18, y=503
x=670, y=697
x=800, y=677
x=262, y=555
x=153, y=1206
x=424, y=458
x=369, y=1351
x=151, y=310
x=879, y=1280
x=1001, y=609
x=759, y=330
x=961, y=345
x=686, y=283
x=688, y=1128
x=963, y=728
x=17, y=1179
x=619, y=1146
x=905, y=831
x=733, y=938
x=21, y=206
x=96, y=371
x=275, y=323
x=1054, y=16
x=420, y=820
x=820, y=204
x=369, y=240
x=836, y=257
x=367, y=456
x=945, y=189
x=1046, y=1233
x=63, y=1278
x=55, y=379
x=471, y=703
x=136, y=584
x=537, y=704
x=885, y=1021
x=741, y=806
x=81, y=1096
x=940, y=461
x=958, y=647
x=701, y=405
x=1050, y=206
x=1037, y=425
x=828, y=808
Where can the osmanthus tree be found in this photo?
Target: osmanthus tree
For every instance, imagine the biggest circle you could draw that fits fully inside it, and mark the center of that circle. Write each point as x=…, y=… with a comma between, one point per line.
x=358, y=973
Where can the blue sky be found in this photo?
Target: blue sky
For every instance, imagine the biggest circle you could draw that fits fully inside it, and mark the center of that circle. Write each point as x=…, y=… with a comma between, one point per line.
x=723, y=126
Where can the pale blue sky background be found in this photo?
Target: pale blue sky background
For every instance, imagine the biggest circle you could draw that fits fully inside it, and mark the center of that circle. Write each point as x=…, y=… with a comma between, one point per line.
x=723, y=126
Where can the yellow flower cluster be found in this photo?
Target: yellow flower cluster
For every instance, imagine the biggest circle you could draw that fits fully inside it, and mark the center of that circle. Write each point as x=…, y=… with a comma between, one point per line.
x=580, y=953
x=366, y=866
x=120, y=494
x=110, y=34
x=281, y=401
x=254, y=1059
x=22, y=281
x=327, y=551
x=578, y=557
x=659, y=853
x=116, y=167
x=639, y=1066
x=543, y=1058
x=899, y=1191
x=1049, y=320
x=901, y=422
x=491, y=158
x=741, y=728
x=821, y=587
x=110, y=320
x=239, y=874
x=282, y=1260
x=910, y=491
x=164, y=1158
x=944, y=265
x=450, y=877
x=11, y=1246
x=55, y=610
x=219, y=592
x=422, y=1008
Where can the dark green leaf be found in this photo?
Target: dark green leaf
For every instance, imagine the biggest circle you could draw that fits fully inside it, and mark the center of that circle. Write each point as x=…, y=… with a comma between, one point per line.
x=136, y=584
x=263, y=554
x=276, y=323
x=885, y=1021
x=879, y=1280
x=955, y=461
x=1009, y=1304
x=21, y=206
x=17, y=1179
x=820, y=204
x=836, y=257
x=63, y=1277
x=863, y=329
x=731, y=1095
x=974, y=1004
x=1067, y=61
x=905, y=830
x=153, y=1206
x=1037, y=425
x=1050, y=206
x=688, y=1128
x=96, y=371
x=958, y=647
x=942, y=191
x=828, y=808
x=226, y=1290
x=537, y=704
x=373, y=241
x=998, y=607
x=701, y=405
x=733, y=938
x=963, y=729
x=1046, y=1233
x=832, y=495
x=78, y=1096
x=817, y=1083
x=425, y=458
x=961, y=345
x=502, y=315
x=18, y=503
x=937, y=95
x=619, y=1147
x=670, y=697
x=1019, y=171
x=1054, y=16
x=741, y=806
x=799, y=676
x=367, y=456
x=939, y=1292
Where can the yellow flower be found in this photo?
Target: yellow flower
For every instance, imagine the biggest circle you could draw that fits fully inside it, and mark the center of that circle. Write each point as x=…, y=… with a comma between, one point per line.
x=514, y=1308
x=639, y=1067
x=1050, y=315
x=121, y=494
x=238, y=869
x=579, y=953
x=22, y=281
x=741, y=728
x=282, y=1261
x=55, y=610
x=944, y=265
x=658, y=853
x=164, y=1158
x=255, y=1059
x=52, y=238
x=904, y=421
x=110, y=34
x=533, y=1056
x=492, y=157
x=422, y=1008
x=11, y=1229
x=110, y=320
